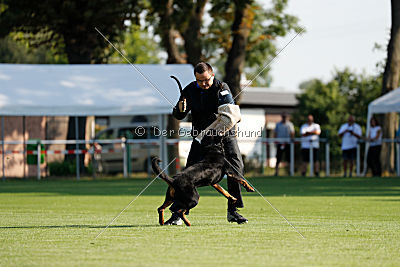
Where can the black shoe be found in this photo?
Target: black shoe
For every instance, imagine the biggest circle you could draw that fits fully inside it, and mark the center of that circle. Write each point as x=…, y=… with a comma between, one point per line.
x=174, y=220
x=234, y=216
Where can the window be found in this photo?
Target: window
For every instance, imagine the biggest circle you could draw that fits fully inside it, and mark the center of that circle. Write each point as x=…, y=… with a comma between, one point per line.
x=106, y=135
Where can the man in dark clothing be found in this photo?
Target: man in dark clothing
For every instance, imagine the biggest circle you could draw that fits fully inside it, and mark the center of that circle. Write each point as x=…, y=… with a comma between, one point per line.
x=203, y=97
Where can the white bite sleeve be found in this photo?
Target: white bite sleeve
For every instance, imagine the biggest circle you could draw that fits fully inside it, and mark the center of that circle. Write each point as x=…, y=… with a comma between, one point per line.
x=228, y=116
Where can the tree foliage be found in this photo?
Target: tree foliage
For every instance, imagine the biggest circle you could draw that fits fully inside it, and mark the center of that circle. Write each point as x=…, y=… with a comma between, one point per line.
x=68, y=25
x=138, y=47
x=267, y=24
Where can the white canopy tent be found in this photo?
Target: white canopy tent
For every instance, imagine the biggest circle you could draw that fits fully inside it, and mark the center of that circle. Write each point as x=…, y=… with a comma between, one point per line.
x=90, y=90
x=87, y=90
x=387, y=103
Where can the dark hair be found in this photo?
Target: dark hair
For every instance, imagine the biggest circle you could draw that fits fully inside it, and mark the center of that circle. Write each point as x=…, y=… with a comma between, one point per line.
x=202, y=67
x=375, y=119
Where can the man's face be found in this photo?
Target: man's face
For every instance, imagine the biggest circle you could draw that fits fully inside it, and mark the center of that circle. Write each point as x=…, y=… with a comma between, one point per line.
x=205, y=79
x=310, y=119
x=350, y=120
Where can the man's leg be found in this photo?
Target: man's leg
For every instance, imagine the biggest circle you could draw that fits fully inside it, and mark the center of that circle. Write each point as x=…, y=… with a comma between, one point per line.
x=232, y=154
x=305, y=155
x=279, y=153
x=351, y=163
x=316, y=161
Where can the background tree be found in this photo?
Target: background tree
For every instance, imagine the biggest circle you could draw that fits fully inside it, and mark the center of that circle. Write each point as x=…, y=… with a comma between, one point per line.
x=138, y=46
x=244, y=34
x=69, y=26
x=391, y=81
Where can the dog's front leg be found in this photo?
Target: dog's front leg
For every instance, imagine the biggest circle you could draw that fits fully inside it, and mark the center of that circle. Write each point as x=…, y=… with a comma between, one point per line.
x=182, y=215
x=224, y=192
x=241, y=181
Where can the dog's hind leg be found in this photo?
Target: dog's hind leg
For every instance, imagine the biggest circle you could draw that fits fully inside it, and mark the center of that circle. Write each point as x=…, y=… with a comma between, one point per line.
x=241, y=181
x=169, y=199
x=224, y=192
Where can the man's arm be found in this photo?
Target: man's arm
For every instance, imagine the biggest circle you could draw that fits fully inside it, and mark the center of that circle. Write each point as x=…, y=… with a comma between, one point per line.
x=342, y=131
x=357, y=132
x=291, y=130
x=225, y=95
x=183, y=106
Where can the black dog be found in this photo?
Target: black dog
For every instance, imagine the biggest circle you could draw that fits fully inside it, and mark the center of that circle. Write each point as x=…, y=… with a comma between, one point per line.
x=209, y=171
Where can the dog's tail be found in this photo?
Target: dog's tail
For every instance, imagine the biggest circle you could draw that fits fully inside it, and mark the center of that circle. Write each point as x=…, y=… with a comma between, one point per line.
x=158, y=171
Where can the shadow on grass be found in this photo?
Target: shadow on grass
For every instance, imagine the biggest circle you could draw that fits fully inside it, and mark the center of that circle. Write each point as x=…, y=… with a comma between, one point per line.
x=77, y=226
x=268, y=186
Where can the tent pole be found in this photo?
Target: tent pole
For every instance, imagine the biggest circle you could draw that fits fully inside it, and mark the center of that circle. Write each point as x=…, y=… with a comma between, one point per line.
x=77, y=148
x=2, y=146
x=327, y=160
x=365, y=167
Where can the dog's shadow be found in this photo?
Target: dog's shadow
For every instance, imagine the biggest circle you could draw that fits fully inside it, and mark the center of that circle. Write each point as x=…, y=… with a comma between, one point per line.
x=79, y=226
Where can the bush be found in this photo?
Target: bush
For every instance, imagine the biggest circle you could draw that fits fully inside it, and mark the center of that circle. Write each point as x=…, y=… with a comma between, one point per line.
x=62, y=168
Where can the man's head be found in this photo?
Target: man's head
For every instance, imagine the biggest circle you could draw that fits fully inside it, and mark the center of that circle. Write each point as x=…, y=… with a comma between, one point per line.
x=350, y=120
x=204, y=75
x=310, y=119
x=284, y=116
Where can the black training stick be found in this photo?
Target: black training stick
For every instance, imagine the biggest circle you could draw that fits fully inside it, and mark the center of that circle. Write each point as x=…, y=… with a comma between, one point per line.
x=179, y=85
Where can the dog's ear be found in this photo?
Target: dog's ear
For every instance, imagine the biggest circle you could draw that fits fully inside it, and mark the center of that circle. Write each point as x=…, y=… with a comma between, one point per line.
x=155, y=159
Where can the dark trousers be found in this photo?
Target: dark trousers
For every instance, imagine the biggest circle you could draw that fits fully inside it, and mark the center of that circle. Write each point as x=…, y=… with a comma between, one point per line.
x=280, y=150
x=374, y=160
x=232, y=154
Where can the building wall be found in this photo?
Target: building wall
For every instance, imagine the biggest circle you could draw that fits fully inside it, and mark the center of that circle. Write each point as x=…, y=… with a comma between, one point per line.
x=15, y=164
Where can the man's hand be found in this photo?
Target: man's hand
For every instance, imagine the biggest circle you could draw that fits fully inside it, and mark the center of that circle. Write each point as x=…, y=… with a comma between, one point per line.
x=182, y=105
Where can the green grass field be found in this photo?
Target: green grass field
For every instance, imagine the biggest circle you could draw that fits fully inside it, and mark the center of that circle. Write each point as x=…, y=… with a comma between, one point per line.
x=346, y=222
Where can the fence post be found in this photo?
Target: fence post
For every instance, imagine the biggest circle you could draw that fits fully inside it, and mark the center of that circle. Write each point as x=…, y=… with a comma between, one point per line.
x=358, y=160
x=125, y=156
x=327, y=159
x=94, y=163
x=39, y=155
x=2, y=147
x=398, y=158
x=263, y=149
x=311, y=159
x=291, y=157
x=78, y=175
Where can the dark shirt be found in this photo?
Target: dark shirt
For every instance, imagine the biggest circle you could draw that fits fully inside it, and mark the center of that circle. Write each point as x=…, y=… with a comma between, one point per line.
x=203, y=104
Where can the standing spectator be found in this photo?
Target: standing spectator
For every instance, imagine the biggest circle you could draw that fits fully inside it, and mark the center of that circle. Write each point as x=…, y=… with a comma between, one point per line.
x=310, y=132
x=283, y=129
x=374, y=152
x=350, y=132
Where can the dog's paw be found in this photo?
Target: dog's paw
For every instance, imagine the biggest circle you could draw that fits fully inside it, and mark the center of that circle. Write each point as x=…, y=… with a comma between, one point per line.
x=249, y=188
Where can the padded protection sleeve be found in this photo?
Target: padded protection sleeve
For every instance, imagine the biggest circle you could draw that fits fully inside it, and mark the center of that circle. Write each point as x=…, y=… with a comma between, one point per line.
x=228, y=116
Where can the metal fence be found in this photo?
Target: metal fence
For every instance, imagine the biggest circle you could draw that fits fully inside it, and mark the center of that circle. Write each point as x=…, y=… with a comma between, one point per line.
x=123, y=147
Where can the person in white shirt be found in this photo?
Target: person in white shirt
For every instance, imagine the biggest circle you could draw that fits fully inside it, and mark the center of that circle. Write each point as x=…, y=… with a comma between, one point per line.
x=285, y=130
x=374, y=138
x=310, y=132
x=350, y=132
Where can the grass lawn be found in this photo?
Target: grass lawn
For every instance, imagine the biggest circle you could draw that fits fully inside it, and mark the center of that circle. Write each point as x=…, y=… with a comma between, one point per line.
x=346, y=222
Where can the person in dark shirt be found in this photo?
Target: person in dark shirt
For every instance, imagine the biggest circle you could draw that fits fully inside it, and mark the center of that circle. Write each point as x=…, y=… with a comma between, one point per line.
x=203, y=97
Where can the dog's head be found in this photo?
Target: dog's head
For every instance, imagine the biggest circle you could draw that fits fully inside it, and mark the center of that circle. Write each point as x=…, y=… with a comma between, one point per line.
x=212, y=144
